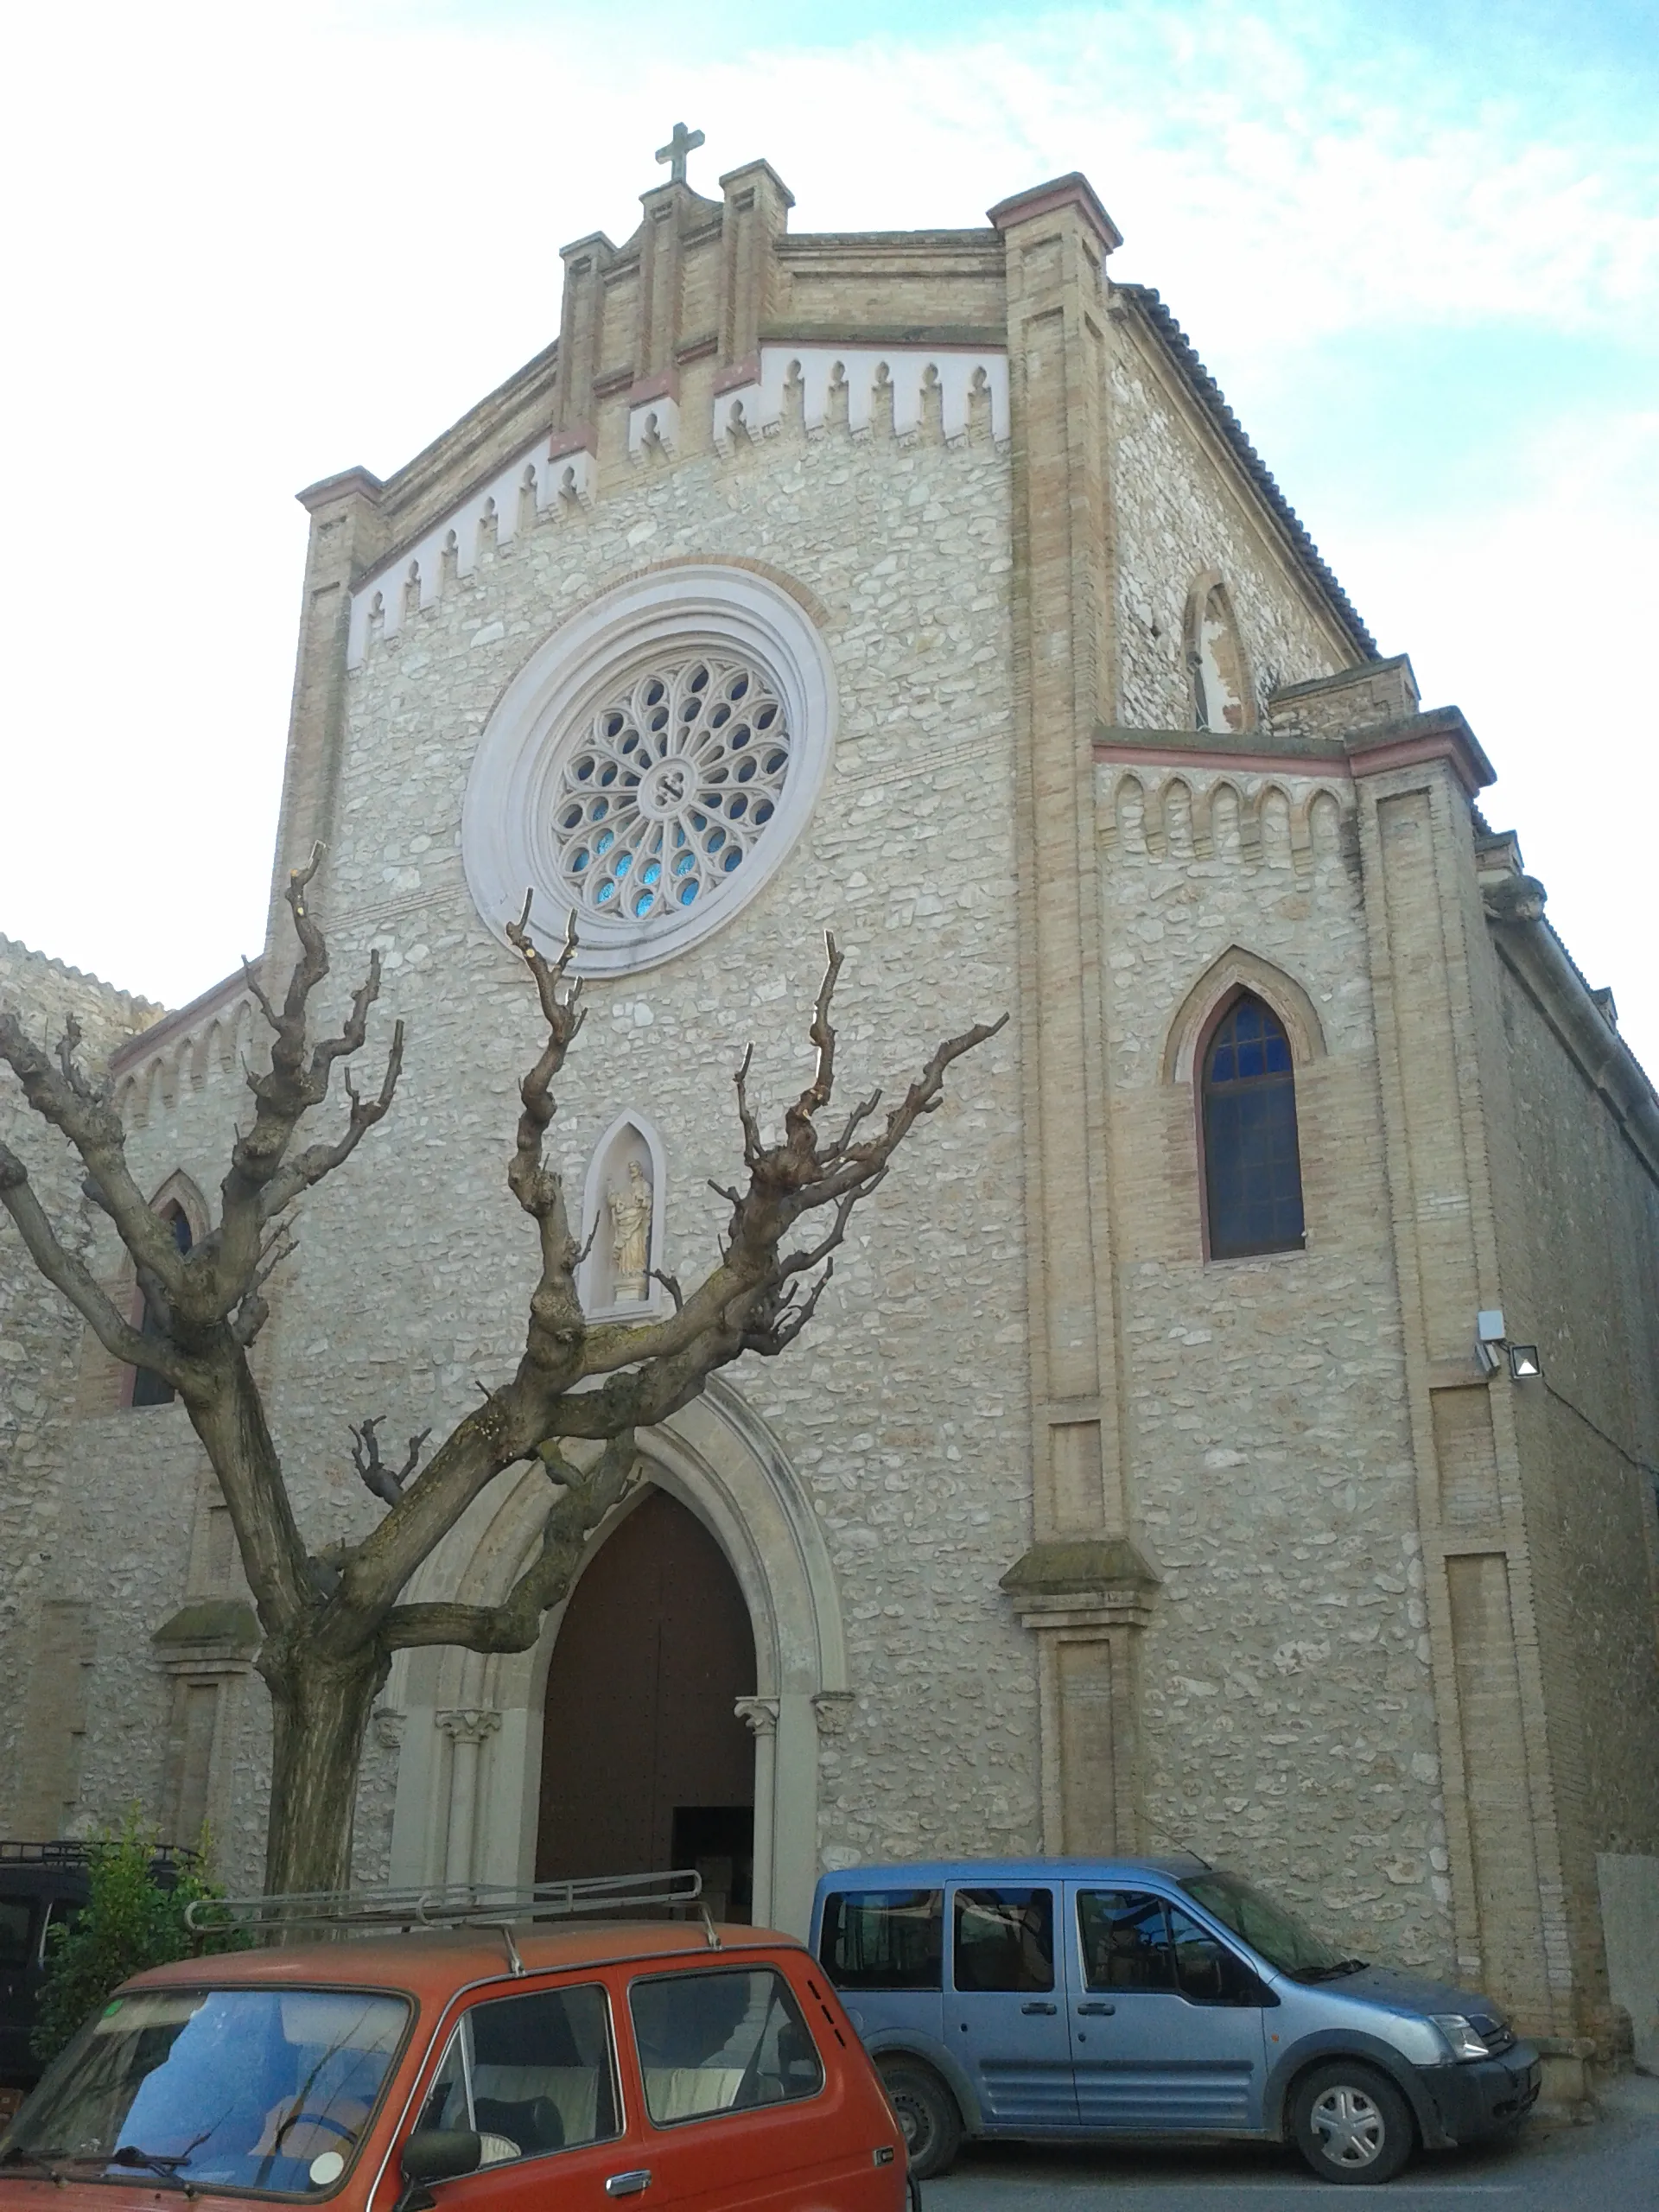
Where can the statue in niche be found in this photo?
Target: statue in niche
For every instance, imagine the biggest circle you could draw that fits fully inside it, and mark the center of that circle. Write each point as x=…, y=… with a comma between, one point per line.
x=630, y=1212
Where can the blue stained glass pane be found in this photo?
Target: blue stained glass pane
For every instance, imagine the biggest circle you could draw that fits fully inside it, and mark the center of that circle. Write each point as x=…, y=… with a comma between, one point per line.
x=765, y=718
x=720, y=716
x=740, y=687
x=733, y=859
x=1221, y=1069
x=605, y=894
x=775, y=761
x=571, y=818
x=584, y=767
x=579, y=859
x=644, y=902
x=715, y=839
x=1252, y=1058
x=762, y=810
x=654, y=692
x=685, y=864
x=599, y=809
x=688, y=892
x=651, y=872
x=1252, y=1164
x=1278, y=1055
x=608, y=773
x=737, y=806
x=624, y=863
x=745, y=770
x=605, y=840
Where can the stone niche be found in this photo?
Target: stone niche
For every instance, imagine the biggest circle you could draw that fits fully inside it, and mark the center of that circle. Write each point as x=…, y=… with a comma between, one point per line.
x=622, y=1222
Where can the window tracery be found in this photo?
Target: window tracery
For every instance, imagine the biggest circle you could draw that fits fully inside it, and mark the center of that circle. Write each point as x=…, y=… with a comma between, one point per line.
x=674, y=782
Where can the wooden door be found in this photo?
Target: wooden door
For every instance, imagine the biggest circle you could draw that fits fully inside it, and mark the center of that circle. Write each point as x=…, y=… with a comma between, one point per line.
x=645, y=1765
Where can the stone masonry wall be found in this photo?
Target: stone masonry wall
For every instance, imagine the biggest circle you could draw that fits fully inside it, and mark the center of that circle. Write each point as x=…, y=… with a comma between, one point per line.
x=40, y=1344
x=903, y=1408
x=1589, y=1437
x=1176, y=516
x=1290, y=1724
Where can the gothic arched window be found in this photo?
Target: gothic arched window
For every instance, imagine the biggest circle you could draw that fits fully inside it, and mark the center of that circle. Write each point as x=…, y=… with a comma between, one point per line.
x=1252, y=1165
x=149, y=1388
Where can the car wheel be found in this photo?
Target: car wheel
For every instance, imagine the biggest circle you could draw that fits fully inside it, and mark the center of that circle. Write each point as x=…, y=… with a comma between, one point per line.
x=1351, y=2124
x=927, y=2113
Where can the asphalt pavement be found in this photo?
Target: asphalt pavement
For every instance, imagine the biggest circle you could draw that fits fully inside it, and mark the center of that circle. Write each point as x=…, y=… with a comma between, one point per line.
x=1612, y=2165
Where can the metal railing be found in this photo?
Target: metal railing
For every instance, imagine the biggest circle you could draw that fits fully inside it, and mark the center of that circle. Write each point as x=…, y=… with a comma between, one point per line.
x=465, y=1904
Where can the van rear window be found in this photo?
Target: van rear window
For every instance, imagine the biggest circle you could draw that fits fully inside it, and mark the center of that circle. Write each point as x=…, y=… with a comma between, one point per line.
x=883, y=1939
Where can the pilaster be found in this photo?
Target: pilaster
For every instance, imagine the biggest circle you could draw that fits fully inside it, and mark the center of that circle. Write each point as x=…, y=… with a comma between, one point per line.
x=1415, y=777
x=347, y=535
x=1057, y=239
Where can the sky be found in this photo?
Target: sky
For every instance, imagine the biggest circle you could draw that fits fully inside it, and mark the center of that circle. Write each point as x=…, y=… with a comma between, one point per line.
x=1416, y=245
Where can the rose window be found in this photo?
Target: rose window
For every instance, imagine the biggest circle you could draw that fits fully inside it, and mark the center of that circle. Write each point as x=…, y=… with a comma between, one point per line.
x=670, y=788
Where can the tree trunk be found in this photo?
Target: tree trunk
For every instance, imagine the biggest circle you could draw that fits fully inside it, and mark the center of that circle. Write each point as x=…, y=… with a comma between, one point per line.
x=319, y=1712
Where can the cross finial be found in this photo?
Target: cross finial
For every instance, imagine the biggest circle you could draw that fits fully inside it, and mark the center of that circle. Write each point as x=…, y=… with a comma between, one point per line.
x=682, y=143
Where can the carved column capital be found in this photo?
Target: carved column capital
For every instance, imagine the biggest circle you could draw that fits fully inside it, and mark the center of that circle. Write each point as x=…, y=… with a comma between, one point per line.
x=834, y=1709
x=759, y=1714
x=469, y=1724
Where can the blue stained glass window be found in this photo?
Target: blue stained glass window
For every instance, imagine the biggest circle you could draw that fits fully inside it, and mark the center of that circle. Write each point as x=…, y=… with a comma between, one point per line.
x=1253, y=1173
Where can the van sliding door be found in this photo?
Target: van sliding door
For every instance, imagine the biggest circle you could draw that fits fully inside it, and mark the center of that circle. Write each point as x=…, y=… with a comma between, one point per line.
x=1005, y=2010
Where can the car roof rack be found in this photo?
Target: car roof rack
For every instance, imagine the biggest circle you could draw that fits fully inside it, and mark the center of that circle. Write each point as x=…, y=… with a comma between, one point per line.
x=456, y=1904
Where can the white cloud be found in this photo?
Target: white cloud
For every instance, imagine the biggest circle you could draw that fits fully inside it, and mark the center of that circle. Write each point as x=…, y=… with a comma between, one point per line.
x=260, y=245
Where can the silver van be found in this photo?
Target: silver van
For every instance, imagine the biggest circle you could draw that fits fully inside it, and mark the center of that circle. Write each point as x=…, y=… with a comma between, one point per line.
x=1156, y=1998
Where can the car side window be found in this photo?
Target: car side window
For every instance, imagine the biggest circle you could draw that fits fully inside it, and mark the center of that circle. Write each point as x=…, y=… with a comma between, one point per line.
x=723, y=2039
x=533, y=2074
x=16, y=1913
x=1206, y=1969
x=1125, y=1938
x=883, y=1939
x=1004, y=1939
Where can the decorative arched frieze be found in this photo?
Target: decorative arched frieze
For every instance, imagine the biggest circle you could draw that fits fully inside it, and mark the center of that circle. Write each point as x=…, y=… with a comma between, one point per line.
x=626, y=1173
x=719, y=1460
x=865, y=389
x=1223, y=691
x=1272, y=820
x=1238, y=970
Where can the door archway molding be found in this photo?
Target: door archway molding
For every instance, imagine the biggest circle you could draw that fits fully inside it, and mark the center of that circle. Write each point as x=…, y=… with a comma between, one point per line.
x=469, y=1761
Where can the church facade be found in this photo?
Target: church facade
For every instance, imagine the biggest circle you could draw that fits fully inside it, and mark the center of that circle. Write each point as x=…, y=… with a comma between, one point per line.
x=1233, y=1426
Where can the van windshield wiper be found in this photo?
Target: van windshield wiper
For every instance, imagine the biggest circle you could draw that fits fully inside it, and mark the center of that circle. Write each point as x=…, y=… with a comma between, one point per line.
x=1330, y=1973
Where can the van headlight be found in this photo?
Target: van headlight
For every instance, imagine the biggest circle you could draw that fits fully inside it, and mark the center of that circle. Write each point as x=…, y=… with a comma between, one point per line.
x=1461, y=2034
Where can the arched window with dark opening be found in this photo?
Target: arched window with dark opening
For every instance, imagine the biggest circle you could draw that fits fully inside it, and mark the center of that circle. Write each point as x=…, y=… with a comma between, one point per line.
x=1252, y=1165
x=149, y=1388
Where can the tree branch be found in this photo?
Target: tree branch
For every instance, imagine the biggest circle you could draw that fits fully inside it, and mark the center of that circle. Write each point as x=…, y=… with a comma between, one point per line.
x=514, y=1623
x=385, y=1484
x=68, y=1275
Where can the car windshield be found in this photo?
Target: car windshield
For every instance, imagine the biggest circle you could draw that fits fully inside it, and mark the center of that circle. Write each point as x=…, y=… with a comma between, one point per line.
x=239, y=2089
x=1270, y=1929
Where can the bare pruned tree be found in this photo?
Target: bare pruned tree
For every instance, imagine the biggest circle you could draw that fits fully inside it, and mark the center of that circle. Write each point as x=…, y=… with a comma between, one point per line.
x=331, y=1622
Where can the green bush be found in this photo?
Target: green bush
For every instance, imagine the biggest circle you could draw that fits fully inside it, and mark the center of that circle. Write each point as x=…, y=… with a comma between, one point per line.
x=130, y=1922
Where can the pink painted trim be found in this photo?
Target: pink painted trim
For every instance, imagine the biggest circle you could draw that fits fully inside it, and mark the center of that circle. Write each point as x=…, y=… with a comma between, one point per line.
x=1408, y=751
x=748, y=371
x=1193, y=757
x=581, y=440
x=1072, y=191
x=666, y=387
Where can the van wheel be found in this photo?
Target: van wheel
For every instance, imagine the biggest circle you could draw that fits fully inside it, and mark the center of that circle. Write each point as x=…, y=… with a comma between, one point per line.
x=1351, y=2123
x=927, y=2113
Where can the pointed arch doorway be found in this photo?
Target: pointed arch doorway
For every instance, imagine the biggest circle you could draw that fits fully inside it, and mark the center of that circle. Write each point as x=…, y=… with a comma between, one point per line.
x=645, y=1764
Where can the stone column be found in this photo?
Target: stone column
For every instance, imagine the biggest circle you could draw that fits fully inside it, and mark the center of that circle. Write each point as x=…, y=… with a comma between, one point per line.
x=760, y=1715
x=1057, y=239
x=468, y=1728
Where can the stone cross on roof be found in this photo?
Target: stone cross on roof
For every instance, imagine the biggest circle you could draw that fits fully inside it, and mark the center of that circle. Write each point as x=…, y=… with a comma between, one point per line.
x=682, y=143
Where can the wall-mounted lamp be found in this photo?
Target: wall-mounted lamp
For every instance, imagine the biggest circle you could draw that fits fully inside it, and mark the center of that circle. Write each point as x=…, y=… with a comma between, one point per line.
x=1490, y=1343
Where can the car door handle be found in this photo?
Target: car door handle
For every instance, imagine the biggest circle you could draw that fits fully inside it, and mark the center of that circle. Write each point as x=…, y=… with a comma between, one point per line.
x=628, y=2184
x=1039, y=2008
x=1093, y=2011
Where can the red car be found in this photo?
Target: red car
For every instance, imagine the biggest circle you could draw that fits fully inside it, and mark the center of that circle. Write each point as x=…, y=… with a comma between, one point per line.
x=681, y=2064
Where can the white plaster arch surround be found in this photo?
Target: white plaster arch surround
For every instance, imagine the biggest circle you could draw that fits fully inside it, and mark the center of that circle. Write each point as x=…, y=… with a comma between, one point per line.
x=721, y=1461
x=508, y=841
